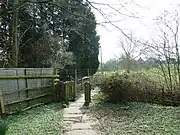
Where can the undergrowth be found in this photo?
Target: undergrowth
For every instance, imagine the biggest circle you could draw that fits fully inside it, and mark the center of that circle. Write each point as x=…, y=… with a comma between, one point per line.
x=133, y=118
x=43, y=120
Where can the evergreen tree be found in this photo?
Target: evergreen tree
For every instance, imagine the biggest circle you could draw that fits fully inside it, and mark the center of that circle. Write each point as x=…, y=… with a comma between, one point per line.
x=49, y=33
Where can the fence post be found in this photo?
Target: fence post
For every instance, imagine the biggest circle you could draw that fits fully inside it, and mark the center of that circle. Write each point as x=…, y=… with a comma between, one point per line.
x=2, y=102
x=26, y=84
x=53, y=86
x=88, y=72
x=87, y=91
x=163, y=96
x=18, y=84
x=74, y=86
x=66, y=93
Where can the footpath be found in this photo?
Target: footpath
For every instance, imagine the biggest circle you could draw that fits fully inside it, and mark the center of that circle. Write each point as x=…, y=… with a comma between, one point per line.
x=76, y=118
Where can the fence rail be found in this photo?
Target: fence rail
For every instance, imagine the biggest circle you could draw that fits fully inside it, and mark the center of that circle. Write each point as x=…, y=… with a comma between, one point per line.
x=29, y=77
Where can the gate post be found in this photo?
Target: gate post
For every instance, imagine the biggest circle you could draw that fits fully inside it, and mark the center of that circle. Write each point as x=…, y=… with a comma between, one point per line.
x=74, y=85
x=87, y=92
x=66, y=93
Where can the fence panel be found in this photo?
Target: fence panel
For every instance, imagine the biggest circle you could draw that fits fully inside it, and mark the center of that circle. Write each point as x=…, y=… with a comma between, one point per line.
x=21, y=83
x=33, y=83
x=19, y=93
x=9, y=87
x=46, y=81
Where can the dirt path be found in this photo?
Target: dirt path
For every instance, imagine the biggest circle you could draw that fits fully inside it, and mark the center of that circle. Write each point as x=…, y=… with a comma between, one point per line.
x=76, y=119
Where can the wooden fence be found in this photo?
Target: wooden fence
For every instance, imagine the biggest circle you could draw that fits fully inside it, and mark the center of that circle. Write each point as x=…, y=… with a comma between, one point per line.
x=25, y=87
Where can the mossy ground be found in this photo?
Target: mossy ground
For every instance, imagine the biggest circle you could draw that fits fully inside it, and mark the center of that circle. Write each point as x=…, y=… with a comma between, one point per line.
x=43, y=120
x=136, y=118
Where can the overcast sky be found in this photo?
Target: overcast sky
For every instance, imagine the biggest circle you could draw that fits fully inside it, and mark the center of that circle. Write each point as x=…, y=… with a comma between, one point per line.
x=137, y=17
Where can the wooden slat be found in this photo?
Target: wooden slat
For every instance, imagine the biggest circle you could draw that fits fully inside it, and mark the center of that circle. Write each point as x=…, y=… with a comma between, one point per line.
x=2, y=102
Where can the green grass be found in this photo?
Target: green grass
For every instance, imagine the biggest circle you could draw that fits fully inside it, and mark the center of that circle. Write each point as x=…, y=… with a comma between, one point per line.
x=136, y=118
x=109, y=73
x=154, y=73
x=43, y=120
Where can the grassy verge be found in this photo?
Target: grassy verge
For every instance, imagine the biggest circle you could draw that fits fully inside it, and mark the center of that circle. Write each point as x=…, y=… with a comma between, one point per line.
x=136, y=118
x=43, y=120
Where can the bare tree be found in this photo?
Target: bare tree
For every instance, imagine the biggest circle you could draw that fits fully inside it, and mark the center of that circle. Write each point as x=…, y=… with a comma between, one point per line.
x=131, y=50
x=166, y=48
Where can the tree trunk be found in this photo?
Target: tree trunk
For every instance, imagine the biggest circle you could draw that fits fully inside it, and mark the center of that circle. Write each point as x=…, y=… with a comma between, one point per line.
x=15, y=47
x=128, y=63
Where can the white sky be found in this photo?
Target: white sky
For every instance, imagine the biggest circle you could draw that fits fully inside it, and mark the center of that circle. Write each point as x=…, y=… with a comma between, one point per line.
x=147, y=10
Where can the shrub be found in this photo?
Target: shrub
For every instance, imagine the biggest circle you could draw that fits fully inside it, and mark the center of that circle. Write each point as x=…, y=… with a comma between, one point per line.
x=131, y=87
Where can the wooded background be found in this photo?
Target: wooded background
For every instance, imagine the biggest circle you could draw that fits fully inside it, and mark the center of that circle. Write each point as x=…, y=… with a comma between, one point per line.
x=45, y=34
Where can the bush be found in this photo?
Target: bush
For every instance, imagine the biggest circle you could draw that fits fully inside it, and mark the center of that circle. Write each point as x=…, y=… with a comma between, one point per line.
x=131, y=87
